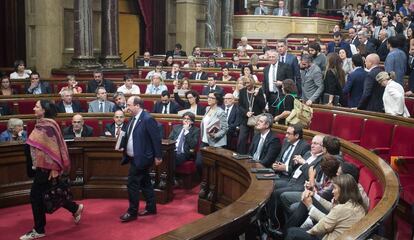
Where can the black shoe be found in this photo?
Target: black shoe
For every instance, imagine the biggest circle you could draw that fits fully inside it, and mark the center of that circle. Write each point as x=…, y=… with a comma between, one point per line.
x=275, y=234
x=147, y=212
x=127, y=217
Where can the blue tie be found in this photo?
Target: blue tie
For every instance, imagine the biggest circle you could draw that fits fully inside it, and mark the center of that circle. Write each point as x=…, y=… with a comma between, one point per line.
x=181, y=142
x=286, y=156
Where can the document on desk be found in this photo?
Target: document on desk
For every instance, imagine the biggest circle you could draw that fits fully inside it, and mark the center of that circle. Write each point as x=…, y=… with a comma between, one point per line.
x=119, y=140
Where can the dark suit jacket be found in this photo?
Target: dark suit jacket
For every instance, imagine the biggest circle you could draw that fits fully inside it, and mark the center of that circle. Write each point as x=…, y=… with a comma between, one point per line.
x=86, y=132
x=206, y=90
x=171, y=53
x=298, y=183
x=270, y=150
x=371, y=99
x=354, y=86
x=202, y=77
x=283, y=72
x=4, y=109
x=370, y=47
x=107, y=84
x=44, y=87
x=301, y=148
x=147, y=141
x=230, y=66
x=258, y=106
x=190, y=140
x=75, y=106
x=201, y=110
x=140, y=63
x=292, y=62
x=110, y=127
x=342, y=44
x=382, y=50
x=233, y=120
x=174, y=108
x=169, y=76
x=355, y=41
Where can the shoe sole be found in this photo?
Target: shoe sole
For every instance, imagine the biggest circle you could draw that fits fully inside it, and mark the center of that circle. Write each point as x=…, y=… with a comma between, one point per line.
x=80, y=210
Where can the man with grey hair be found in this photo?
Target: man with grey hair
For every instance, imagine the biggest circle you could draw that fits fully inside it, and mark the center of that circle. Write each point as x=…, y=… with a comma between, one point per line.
x=68, y=105
x=233, y=119
x=265, y=146
x=382, y=49
x=363, y=37
x=244, y=44
x=101, y=104
x=120, y=102
x=312, y=82
x=14, y=131
x=157, y=85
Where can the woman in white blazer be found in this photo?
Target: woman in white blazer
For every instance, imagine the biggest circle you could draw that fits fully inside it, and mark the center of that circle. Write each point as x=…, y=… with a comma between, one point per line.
x=393, y=97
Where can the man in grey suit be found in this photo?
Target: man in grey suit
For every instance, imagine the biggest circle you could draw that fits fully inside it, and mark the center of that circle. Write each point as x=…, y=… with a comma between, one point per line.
x=261, y=9
x=281, y=10
x=312, y=82
x=101, y=104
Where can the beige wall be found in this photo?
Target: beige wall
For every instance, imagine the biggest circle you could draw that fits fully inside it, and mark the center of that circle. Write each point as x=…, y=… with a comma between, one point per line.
x=129, y=31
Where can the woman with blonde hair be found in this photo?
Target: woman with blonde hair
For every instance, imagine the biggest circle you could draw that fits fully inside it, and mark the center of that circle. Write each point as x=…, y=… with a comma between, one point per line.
x=393, y=96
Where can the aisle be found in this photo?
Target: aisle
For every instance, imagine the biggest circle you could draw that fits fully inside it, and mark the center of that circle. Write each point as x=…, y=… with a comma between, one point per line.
x=100, y=219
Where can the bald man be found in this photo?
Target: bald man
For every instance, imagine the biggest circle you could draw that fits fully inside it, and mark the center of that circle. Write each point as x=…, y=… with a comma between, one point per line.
x=371, y=99
x=77, y=129
x=233, y=119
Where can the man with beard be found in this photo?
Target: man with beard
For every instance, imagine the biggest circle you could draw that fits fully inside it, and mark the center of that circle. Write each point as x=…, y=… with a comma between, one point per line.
x=319, y=58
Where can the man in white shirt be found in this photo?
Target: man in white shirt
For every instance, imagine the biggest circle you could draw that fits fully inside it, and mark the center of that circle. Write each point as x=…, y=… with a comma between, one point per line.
x=115, y=128
x=129, y=87
x=244, y=44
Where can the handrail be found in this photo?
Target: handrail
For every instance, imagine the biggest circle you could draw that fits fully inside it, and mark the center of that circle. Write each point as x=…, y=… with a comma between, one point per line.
x=129, y=56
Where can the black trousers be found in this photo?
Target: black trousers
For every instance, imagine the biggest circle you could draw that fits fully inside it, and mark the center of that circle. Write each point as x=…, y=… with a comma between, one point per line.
x=139, y=179
x=41, y=185
x=243, y=137
x=301, y=214
x=199, y=160
x=299, y=234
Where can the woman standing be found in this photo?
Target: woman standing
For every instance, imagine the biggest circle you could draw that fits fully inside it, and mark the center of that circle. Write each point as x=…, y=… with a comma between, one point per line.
x=346, y=62
x=285, y=106
x=349, y=209
x=393, y=97
x=334, y=81
x=50, y=158
x=247, y=71
x=213, y=126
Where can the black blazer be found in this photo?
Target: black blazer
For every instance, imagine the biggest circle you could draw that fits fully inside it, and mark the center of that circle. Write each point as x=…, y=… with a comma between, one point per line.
x=383, y=50
x=230, y=66
x=174, y=108
x=270, y=150
x=75, y=106
x=107, y=84
x=206, y=90
x=169, y=76
x=371, y=99
x=201, y=110
x=202, y=77
x=233, y=120
x=301, y=148
x=190, y=140
x=258, y=106
x=110, y=127
x=284, y=71
x=298, y=183
x=86, y=132
x=140, y=63
x=44, y=87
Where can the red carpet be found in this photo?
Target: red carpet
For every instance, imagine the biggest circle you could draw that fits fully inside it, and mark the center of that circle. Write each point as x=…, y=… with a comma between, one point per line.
x=100, y=219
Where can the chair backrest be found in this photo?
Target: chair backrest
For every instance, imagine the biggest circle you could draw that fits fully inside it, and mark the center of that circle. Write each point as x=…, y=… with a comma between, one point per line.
x=347, y=127
x=322, y=122
x=376, y=134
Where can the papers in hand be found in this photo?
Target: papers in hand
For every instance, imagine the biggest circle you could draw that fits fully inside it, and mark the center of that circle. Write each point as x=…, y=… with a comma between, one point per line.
x=214, y=128
x=119, y=140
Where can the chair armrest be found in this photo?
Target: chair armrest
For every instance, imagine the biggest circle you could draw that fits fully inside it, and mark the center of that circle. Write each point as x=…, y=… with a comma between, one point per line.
x=380, y=150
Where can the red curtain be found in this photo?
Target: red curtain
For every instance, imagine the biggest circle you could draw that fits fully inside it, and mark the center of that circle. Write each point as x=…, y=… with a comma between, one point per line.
x=146, y=11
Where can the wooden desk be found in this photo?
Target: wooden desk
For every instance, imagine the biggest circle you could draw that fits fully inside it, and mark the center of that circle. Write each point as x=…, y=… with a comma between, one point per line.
x=96, y=171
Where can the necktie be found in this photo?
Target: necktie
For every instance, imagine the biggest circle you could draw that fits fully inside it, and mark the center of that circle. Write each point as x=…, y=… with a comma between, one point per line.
x=181, y=142
x=227, y=113
x=118, y=130
x=101, y=107
x=283, y=59
x=198, y=76
x=262, y=11
x=287, y=154
x=256, y=155
x=164, y=109
x=274, y=78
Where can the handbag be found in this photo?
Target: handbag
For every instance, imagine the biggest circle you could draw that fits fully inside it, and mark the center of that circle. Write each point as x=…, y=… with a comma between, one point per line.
x=57, y=194
x=251, y=121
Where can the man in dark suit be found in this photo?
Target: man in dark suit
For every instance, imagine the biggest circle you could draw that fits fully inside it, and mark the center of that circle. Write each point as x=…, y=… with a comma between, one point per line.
x=354, y=86
x=68, y=105
x=274, y=74
x=382, y=49
x=353, y=37
x=77, y=129
x=233, y=119
x=186, y=136
x=120, y=102
x=364, y=39
x=265, y=146
x=291, y=61
x=212, y=86
x=141, y=147
x=165, y=105
x=234, y=64
x=199, y=74
x=177, y=52
x=36, y=86
x=371, y=99
x=99, y=81
x=145, y=61
x=175, y=72
x=310, y=6
x=115, y=128
x=338, y=44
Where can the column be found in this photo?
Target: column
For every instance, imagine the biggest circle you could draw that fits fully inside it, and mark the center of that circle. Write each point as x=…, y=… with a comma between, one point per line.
x=213, y=7
x=187, y=14
x=296, y=7
x=110, y=35
x=227, y=11
x=83, y=36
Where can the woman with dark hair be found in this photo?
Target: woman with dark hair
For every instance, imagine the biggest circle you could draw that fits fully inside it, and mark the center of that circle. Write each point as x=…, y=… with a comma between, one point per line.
x=192, y=104
x=212, y=63
x=348, y=209
x=50, y=159
x=214, y=126
x=168, y=61
x=182, y=86
x=6, y=89
x=247, y=71
x=226, y=76
x=20, y=71
x=334, y=81
x=285, y=106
